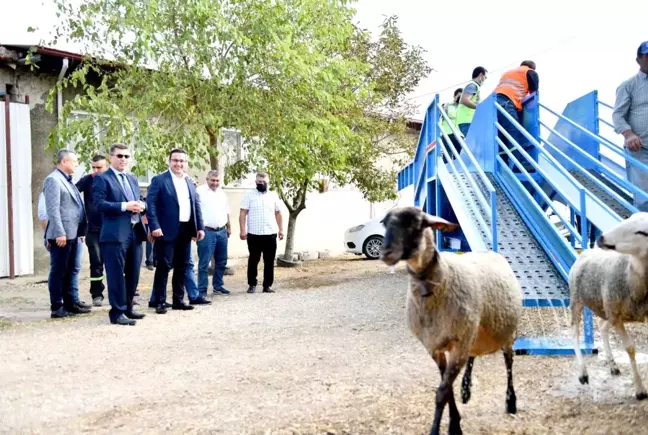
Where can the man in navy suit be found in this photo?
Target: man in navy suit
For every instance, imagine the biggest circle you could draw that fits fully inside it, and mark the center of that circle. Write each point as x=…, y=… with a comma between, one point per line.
x=175, y=218
x=116, y=196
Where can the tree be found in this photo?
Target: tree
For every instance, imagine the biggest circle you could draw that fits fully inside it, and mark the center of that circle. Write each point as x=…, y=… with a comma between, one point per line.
x=358, y=118
x=174, y=73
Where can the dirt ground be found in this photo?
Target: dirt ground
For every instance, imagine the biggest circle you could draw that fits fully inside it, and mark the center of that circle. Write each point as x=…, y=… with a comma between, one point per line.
x=329, y=353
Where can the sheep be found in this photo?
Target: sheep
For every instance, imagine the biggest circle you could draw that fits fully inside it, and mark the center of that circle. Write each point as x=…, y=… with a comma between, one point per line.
x=612, y=282
x=463, y=305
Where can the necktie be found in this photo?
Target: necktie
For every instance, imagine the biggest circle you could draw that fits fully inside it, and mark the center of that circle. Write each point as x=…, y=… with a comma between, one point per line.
x=127, y=189
x=129, y=196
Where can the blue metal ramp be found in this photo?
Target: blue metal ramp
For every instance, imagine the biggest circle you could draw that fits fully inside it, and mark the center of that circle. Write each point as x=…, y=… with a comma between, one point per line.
x=501, y=208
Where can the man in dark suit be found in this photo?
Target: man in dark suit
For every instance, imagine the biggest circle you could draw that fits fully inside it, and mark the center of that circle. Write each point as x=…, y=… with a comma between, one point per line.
x=99, y=165
x=66, y=225
x=175, y=218
x=116, y=196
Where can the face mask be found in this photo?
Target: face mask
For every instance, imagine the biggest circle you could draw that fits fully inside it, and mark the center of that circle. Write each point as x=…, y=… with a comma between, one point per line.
x=261, y=187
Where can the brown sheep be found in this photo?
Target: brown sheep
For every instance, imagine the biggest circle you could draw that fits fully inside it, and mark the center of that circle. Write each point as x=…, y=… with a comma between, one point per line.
x=458, y=306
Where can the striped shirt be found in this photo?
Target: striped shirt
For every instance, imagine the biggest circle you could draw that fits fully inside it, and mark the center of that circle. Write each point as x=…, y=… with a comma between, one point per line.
x=631, y=107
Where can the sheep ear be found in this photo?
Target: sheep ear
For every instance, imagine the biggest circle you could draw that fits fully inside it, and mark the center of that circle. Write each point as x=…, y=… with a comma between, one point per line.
x=438, y=223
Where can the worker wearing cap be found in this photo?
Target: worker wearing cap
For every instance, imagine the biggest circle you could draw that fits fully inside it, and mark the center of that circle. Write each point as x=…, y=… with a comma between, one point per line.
x=514, y=86
x=451, y=110
x=469, y=100
x=630, y=118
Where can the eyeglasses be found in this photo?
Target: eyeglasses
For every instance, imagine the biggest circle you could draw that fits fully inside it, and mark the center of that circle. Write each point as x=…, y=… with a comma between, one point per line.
x=122, y=156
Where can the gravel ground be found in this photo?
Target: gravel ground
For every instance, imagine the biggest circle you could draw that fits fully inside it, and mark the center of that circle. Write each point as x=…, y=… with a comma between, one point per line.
x=328, y=353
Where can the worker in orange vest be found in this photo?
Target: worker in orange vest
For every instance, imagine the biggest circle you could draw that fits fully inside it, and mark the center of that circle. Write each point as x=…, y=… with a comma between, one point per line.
x=512, y=89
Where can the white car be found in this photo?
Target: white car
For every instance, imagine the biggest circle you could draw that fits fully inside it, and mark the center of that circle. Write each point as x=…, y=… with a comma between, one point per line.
x=365, y=239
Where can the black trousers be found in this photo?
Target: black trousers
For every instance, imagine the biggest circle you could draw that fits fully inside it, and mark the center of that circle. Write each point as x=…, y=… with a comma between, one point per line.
x=174, y=255
x=62, y=262
x=258, y=245
x=96, y=265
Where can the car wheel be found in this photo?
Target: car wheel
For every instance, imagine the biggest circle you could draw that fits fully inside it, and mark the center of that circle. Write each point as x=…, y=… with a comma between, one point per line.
x=371, y=248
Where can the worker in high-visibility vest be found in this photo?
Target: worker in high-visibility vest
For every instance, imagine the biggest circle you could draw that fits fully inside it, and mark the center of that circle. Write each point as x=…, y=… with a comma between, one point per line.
x=451, y=110
x=514, y=86
x=469, y=100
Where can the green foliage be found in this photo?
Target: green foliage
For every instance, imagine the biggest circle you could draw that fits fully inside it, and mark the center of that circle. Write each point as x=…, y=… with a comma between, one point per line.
x=169, y=73
x=340, y=126
x=314, y=96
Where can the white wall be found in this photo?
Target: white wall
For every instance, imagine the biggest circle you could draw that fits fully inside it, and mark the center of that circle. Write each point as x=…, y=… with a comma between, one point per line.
x=23, y=231
x=321, y=225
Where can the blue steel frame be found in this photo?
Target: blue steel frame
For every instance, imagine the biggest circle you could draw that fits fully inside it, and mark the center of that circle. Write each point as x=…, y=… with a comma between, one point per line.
x=481, y=147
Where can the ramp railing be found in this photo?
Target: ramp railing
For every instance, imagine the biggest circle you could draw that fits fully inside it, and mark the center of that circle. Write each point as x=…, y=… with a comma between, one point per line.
x=444, y=146
x=601, y=167
x=556, y=244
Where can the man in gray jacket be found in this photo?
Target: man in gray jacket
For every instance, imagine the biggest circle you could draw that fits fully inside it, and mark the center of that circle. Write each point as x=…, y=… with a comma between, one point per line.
x=67, y=222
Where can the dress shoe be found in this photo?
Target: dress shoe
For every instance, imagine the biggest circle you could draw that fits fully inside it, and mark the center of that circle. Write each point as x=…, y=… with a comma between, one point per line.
x=161, y=309
x=268, y=290
x=150, y=267
x=60, y=313
x=200, y=301
x=251, y=289
x=221, y=291
x=97, y=302
x=181, y=306
x=134, y=315
x=123, y=320
x=155, y=305
x=82, y=304
x=76, y=309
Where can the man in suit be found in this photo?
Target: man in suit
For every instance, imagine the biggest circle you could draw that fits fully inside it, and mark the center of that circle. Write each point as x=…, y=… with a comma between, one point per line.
x=175, y=218
x=116, y=196
x=66, y=226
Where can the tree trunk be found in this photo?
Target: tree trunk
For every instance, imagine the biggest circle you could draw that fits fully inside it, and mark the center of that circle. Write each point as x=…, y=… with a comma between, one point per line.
x=213, y=158
x=290, y=236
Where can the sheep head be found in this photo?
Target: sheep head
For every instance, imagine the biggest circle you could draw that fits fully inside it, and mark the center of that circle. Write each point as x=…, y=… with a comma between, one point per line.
x=408, y=233
x=628, y=237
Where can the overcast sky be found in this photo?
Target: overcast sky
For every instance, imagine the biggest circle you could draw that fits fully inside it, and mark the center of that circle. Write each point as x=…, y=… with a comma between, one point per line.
x=578, y=45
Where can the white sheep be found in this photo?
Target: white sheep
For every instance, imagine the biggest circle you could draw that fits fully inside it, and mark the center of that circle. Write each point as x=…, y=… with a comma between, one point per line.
x=612, y=282
x=463, y=305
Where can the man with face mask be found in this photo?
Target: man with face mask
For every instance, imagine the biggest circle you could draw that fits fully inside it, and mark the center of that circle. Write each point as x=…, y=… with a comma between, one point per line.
x=260, y=221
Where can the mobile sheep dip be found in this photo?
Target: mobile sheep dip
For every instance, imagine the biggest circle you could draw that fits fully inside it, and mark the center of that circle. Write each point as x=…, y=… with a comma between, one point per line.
x=539, y=219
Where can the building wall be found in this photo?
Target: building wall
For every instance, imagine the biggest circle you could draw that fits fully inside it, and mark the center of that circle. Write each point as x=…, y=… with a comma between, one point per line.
x=37, y=88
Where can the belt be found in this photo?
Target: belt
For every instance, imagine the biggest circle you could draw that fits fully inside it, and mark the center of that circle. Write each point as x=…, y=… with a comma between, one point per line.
x=215, y=229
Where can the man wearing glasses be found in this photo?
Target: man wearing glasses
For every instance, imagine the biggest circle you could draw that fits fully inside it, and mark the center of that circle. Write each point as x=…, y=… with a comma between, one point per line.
x=116, y=195
x=175, y=218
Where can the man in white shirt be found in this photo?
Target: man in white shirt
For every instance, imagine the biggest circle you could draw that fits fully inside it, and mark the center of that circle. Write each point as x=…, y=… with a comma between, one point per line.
x=175, y=218
x=260, y=221
x=215, y=211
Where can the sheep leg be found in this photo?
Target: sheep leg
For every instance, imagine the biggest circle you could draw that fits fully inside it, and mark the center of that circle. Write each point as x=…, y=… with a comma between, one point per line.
x=511, y=400
x=576, y=310
x=640, y=391
x=445, y=394
x=452, y=405
x=605, y=335
x=466, y=382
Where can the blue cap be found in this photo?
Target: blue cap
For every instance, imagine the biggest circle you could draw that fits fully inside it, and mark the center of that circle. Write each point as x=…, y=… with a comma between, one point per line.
x=643, y=49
